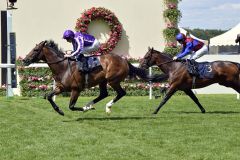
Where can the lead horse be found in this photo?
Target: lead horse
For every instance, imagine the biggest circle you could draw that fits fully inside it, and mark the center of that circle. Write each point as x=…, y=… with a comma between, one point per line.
x=113, y=71
x=225, y=73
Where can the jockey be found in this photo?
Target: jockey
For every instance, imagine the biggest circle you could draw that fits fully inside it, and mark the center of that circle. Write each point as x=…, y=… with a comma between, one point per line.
x=192, y=47
x=82, y=44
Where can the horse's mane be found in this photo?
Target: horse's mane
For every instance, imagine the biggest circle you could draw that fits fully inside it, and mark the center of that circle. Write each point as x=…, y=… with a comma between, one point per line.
x=164, y=54
x=51, y=44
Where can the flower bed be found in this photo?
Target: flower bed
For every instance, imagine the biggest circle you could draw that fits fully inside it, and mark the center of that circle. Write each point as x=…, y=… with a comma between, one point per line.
x=36, y=82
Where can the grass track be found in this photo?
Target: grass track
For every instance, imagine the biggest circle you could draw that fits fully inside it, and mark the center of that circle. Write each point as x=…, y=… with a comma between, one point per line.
x=30, y=129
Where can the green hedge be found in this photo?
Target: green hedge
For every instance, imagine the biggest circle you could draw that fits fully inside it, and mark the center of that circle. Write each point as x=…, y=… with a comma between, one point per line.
x=36, y=82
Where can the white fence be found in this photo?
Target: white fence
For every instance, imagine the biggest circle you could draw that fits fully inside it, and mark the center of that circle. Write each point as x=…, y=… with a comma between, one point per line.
x=216, y=88
x=212, y=89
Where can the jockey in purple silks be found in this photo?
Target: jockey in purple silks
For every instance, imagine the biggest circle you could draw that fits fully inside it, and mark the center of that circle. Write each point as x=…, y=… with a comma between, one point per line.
x=82, y=44
x=191, y=48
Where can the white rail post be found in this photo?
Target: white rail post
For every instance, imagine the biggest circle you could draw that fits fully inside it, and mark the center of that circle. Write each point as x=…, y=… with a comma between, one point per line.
x=54, y=86
x=9, y=77
x=150, y=84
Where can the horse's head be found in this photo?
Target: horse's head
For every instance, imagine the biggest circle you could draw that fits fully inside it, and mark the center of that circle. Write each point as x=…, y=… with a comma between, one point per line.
x=149, y=59
x=35, y=55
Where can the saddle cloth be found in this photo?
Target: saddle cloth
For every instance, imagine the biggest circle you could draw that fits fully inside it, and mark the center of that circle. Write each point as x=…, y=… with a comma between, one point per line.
x=200, y=69
x=93, y=62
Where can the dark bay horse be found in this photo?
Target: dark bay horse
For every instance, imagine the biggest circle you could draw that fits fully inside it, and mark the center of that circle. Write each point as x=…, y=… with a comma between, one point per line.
x=225, y=73
x=68, y=78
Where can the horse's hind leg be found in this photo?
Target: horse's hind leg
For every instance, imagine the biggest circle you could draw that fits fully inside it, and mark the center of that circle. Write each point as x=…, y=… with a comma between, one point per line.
x=120, y=93
x=49, y=96
x=73, y=100
x=195, y=99
x=103, y=94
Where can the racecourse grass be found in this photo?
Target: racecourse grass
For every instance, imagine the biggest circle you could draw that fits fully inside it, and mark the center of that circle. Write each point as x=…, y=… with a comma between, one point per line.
x=31, y=130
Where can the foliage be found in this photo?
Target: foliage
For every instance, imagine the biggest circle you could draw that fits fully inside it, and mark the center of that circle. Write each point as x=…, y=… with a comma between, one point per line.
x=36, y=82
x=205, y=33
x=170, y=33
x=3, y=90
x=110, y=18
x=172, y=50
x=31, y=129
x=172, y=16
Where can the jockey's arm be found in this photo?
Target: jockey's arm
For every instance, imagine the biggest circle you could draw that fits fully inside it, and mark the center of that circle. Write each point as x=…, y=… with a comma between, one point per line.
x=186, y=50
x=79, y=49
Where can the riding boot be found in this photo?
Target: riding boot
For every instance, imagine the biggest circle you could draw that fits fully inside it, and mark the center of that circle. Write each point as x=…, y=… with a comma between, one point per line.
x=80, y=66
x=85, y=65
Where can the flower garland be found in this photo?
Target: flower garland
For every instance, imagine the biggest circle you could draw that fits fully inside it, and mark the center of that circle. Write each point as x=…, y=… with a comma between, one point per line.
x=110, y=18
x=172, y=16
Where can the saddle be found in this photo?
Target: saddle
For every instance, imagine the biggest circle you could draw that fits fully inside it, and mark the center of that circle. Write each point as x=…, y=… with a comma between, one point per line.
x=199, y=69
x=88, y=64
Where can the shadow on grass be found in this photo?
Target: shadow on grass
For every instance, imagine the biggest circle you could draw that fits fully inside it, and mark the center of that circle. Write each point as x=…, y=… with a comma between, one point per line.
x=113, y=118
x=207, y=112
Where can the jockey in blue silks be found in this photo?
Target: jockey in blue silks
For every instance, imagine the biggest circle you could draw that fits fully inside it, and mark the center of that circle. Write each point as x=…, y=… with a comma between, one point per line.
x=191, y=48
x=82, y=44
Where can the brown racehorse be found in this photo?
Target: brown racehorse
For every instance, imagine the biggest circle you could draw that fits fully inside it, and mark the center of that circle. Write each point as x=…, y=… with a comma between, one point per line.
x=225, y=73
x=68, y=78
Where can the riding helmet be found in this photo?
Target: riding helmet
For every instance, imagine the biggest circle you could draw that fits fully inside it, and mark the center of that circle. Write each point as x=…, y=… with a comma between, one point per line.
x=68, y=34
x=180, y=37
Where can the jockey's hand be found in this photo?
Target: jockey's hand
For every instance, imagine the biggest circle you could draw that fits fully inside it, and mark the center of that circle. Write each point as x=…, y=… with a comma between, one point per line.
x=68, y=52
x=66, y=55
x=175, y=58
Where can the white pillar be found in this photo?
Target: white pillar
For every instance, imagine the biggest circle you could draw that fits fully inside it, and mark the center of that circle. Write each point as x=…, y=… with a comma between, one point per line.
x=9, y=78
x=150, y=84
x=54, y=86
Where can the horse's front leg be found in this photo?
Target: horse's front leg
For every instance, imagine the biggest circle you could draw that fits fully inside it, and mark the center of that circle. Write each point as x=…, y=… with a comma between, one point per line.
x=49, y=96
x=73, y=100
x=167, y=96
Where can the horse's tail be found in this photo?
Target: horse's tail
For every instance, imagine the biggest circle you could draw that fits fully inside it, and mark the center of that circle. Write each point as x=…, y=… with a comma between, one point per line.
x=135, y=71
x=142, y=73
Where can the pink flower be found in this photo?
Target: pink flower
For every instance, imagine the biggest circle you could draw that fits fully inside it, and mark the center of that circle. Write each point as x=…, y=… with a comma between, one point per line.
x=43, y=87
x=171, y=5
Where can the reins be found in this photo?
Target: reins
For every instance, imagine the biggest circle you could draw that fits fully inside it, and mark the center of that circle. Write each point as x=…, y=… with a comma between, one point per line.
x=166, y=62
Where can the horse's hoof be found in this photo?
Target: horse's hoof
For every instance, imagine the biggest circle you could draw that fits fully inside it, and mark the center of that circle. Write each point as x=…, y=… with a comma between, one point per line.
x=155, y=112
x=61, y=112
x=203, y=111
x=108, y=111
x=81, y=109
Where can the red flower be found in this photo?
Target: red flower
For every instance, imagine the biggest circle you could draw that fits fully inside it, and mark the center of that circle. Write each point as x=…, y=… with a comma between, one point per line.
x=110, y=18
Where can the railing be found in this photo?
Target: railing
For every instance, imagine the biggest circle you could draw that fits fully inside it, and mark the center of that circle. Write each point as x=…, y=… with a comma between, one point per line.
x=10, y=92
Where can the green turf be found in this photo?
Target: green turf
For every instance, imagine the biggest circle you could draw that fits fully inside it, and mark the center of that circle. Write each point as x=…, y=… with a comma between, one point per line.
x=30, y=129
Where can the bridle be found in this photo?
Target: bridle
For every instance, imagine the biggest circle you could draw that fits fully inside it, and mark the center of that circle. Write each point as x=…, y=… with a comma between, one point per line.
x=39, y=51
x=150, y=57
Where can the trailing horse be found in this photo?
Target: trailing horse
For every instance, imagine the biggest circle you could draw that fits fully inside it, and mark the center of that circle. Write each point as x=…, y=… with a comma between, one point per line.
x=113, y=71
x=225, y=73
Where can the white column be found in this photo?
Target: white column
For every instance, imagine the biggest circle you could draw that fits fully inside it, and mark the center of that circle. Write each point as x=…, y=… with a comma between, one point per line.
x=9, y=78
x=150, y=84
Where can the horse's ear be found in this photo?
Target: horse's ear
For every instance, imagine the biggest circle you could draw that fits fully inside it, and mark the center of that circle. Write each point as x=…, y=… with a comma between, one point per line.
x=149, y=48
x=44, y=42
x=152, y=49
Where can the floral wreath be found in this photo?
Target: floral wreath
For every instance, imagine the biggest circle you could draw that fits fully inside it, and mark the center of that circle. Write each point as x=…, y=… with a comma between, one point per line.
x=110, y=18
